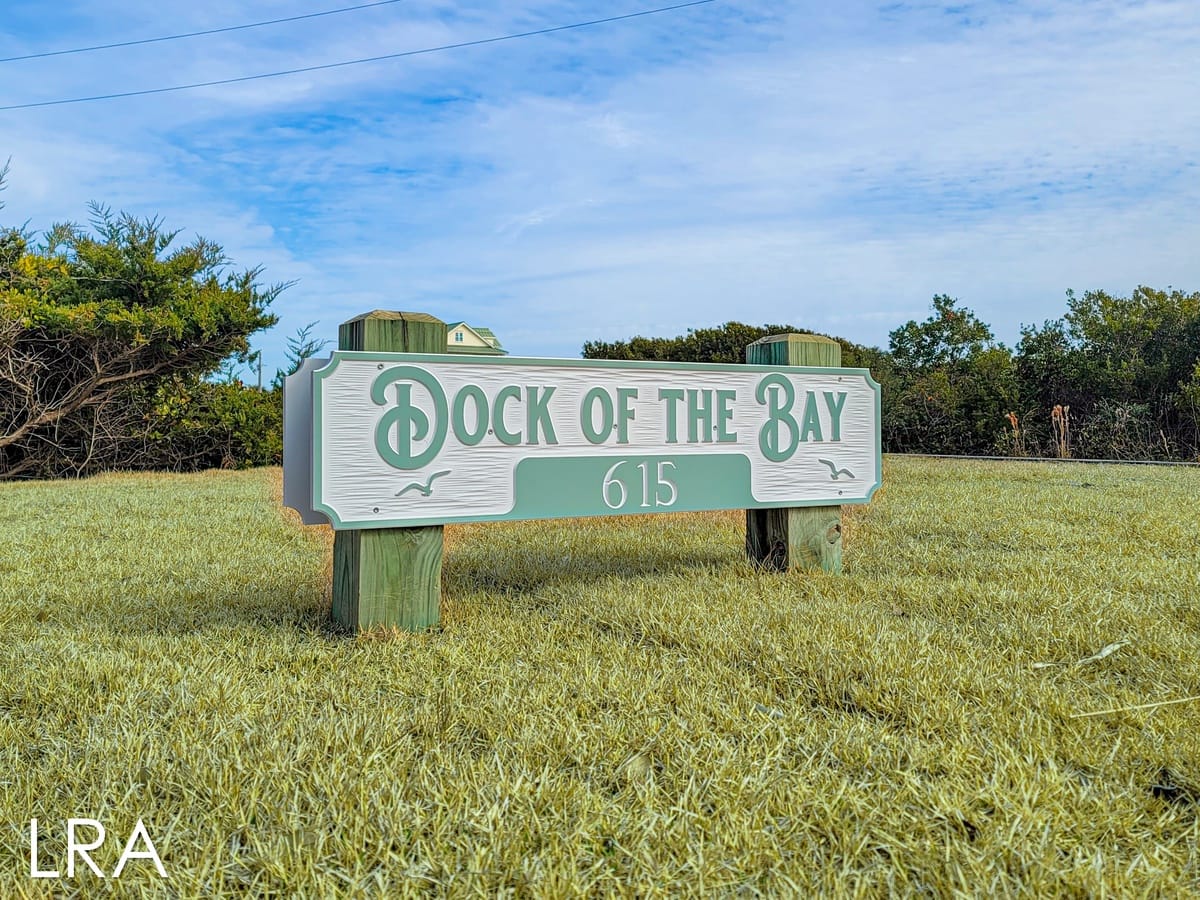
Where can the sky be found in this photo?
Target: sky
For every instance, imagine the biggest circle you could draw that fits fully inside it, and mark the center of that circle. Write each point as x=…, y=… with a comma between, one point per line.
x=828, y=166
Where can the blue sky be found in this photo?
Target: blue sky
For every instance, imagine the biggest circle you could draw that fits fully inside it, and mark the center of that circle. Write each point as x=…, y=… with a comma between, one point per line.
x=832, y=166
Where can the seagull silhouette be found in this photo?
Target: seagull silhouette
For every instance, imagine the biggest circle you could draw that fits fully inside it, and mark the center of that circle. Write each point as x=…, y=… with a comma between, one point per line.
x=834, y=471
x=424, y=489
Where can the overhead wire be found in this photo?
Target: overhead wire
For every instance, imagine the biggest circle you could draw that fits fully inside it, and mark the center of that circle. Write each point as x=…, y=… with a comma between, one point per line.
x=192, y=34
x=355, y=62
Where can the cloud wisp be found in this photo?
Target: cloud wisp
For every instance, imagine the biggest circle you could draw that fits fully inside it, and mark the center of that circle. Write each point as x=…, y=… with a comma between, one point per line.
x=722, y=162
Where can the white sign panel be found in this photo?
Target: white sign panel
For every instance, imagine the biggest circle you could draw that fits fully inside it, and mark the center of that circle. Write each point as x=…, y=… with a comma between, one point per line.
x=411, y=439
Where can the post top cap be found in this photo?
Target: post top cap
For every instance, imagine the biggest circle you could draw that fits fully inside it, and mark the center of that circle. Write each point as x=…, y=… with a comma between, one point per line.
x=793, y=337
x=395, y=314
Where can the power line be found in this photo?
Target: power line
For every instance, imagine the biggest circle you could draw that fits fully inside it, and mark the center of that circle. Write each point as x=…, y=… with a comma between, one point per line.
x=191, y=34
x=355, y=62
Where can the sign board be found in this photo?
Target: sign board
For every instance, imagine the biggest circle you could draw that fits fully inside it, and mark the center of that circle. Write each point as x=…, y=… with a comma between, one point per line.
x=402, y=439
x=298, y=440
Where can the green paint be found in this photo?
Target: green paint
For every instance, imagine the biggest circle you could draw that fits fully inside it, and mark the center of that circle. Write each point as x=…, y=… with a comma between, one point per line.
x=587, y=415
x=835, y=404
x=521, y=362
x=409, y=421
x=699, y=416
x=672, y=396
x=503, y=435
x=779, y=413
x=725, y=400
x=625, y=396
x=574, y=486
x=458, y=416
x=424, y=488
x=811, y=429
x=537, y=415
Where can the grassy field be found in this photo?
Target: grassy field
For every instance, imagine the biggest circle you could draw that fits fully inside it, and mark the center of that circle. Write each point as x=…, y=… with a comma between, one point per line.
x=616, y=706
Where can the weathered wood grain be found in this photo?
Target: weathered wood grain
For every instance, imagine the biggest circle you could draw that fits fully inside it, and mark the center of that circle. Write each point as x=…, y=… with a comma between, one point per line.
x=800, y=537
x=389, y=576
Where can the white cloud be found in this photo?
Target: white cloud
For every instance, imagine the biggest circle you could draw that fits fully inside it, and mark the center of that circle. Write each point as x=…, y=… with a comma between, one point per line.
x=757, y=162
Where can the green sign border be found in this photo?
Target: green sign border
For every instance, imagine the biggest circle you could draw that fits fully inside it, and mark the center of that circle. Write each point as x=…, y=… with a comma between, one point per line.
x=604, y=364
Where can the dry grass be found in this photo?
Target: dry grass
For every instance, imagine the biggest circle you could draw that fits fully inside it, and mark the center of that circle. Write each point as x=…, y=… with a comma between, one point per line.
x=615, y=706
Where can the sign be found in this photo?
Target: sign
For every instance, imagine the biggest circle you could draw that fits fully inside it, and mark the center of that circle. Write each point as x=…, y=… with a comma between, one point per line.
x=298, y=440
x=402, y=439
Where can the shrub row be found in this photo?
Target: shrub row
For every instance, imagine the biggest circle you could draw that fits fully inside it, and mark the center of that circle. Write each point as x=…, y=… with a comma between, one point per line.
x=1114, y=378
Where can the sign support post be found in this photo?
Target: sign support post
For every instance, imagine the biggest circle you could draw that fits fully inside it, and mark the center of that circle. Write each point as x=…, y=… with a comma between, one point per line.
x=389, y=576
x=808, y=537
x=392, y=437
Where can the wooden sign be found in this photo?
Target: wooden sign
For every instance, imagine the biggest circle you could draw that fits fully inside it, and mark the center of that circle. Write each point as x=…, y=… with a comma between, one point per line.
x=413, y=439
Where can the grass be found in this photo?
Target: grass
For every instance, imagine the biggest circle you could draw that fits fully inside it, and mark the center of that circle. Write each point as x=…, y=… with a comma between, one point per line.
x=614, y=706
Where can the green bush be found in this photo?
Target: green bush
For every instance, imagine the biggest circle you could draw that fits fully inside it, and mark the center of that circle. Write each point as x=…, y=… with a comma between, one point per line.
x=98, y=329
x=1124, y=370
x=198, y=424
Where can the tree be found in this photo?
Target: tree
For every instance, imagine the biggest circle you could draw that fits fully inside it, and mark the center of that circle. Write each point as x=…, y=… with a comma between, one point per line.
x=300, y=347
x=92, y=323
x=1140, y=347
x=953, y=384
x=950, y=336
x=1127, y=368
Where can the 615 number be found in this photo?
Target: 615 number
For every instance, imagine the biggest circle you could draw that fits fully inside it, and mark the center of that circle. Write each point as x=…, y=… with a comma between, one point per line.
x=616, y=493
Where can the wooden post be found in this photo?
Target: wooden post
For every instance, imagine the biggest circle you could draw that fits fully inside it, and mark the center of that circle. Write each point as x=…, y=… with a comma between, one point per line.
x=389, y=576
x=807, y=537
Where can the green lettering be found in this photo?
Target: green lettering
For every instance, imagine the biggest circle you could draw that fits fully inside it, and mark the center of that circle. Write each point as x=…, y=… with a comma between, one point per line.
x=812, y=422
x=458, y=418
x=624, y=413
x=502, y=433
x=537, y=415
x=699, y=414
x=672, y=396
x=724, y=414
x=779, y=415
x=587, y=415
x=835, y=413
x=410, y=422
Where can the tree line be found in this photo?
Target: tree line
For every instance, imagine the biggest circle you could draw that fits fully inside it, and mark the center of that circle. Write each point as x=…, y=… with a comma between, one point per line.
x=114, y=338
x=1113, y=378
